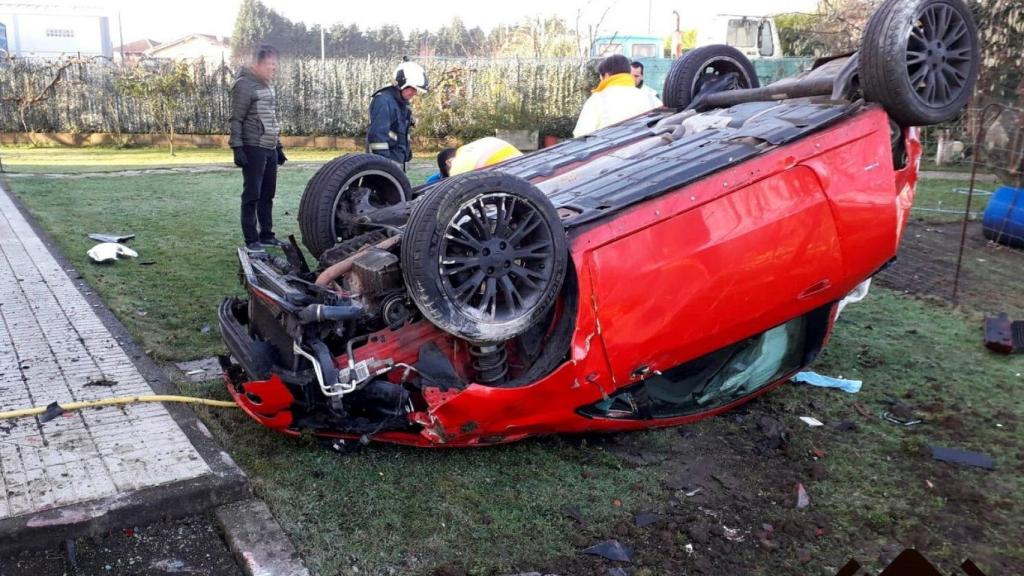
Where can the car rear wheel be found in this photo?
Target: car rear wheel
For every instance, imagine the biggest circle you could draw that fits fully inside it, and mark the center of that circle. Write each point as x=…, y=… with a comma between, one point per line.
x=707, y=68
x=484, y=256
x=343, y=190
x=919, y=59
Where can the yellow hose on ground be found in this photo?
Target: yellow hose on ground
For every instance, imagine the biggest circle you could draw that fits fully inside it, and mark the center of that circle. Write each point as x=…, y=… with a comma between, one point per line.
x=24, y=412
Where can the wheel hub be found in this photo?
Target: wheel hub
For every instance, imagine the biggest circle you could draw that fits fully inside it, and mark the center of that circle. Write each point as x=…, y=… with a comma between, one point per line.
x=936, y=53
x=496, y=257
x=362, y=194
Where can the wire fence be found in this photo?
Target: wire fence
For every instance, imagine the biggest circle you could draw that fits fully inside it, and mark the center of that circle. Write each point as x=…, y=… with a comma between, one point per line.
x=965, y=239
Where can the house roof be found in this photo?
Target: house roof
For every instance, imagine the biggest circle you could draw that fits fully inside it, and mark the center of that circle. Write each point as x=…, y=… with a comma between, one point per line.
x=211, y=38
x=137, y=46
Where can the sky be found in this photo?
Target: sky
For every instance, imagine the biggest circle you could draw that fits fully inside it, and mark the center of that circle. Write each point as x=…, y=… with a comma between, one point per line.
x=165, y=21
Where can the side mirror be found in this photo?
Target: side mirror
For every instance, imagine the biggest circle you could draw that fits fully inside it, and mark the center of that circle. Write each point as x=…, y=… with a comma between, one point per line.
x=765, y=40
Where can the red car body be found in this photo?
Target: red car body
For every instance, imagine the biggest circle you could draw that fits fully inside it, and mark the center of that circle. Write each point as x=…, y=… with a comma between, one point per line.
x=782, y=235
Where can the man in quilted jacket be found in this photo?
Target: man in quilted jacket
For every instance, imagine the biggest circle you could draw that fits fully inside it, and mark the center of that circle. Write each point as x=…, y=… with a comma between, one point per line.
x=255, y=140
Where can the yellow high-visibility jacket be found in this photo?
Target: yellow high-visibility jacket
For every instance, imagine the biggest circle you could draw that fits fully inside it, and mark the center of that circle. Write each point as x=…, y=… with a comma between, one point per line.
x=615, y=99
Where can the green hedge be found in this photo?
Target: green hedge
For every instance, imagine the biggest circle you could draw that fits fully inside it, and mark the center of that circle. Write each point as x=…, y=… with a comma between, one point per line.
x=469, y=97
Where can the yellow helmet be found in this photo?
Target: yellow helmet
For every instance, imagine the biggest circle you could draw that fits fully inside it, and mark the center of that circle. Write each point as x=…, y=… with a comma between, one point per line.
x=480, y=153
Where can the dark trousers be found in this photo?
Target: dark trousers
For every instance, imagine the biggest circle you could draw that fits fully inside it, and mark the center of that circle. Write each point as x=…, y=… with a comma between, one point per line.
x=259, y=184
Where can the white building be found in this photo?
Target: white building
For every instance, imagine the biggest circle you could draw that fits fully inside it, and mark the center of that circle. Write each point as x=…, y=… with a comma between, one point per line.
x=50, y=30
x=208, y=47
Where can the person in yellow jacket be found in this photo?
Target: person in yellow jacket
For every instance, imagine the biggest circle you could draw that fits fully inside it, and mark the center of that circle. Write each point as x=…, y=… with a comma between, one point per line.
x=482, y=153
x=615, y=99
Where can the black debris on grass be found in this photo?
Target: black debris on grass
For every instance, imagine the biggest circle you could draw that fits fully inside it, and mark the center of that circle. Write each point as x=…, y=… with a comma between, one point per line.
x=965, y=457
x=611, y=550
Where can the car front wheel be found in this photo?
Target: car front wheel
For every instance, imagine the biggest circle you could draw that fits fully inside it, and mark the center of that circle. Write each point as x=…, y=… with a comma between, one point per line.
x=484, y=256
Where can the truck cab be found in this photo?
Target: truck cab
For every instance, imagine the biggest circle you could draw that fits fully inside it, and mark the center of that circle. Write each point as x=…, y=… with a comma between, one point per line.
x=755, y=36
x=633, y=47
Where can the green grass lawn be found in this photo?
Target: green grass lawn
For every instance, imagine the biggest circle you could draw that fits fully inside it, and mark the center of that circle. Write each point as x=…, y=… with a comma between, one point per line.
x=31, y=159
x=388, y=510
x=945, y=200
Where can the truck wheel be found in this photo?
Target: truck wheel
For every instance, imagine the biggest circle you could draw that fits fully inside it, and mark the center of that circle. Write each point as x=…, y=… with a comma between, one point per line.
x=484, y=256
x=919, y=59
x=699, y=68
x=341, y=191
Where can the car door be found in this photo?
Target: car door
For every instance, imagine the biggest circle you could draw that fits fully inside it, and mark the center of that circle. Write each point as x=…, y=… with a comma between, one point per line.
x=713, y=275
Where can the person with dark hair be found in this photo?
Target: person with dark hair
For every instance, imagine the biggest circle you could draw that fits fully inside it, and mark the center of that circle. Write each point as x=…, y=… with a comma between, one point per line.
x=615, y=99
x=391, y=115
x=612, y=65
x=637, y=68
x=255, y=140
x=444, y=165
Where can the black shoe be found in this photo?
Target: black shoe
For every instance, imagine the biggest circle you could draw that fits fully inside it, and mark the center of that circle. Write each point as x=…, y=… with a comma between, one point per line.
x=254, y=247
x=273, y=242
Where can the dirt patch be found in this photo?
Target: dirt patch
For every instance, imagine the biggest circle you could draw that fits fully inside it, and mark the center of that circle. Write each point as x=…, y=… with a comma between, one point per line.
x=717, y=514
x=730, y=488
x=187, y=546
x=926, y=266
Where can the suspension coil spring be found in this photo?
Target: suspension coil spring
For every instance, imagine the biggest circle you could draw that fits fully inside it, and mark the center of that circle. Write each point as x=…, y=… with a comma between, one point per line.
x=490, y=362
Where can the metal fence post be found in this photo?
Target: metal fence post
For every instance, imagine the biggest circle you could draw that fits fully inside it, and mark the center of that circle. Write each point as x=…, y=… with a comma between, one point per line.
x=979, y=133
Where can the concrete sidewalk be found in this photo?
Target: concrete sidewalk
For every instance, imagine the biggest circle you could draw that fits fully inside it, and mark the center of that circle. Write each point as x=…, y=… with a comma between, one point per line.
x=86, y=471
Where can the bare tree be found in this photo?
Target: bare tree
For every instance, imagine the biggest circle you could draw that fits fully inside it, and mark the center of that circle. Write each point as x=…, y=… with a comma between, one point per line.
x=31, y=97
x=162, y=89
x=592, y=28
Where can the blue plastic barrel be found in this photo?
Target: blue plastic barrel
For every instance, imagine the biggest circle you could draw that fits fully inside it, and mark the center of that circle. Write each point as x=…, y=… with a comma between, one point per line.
x=1003, y=221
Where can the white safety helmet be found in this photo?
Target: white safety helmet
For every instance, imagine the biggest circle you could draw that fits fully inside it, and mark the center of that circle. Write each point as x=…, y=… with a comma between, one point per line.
x=411, y=74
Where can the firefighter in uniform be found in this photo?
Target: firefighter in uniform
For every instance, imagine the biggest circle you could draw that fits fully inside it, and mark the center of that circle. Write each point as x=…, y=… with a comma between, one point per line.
x=391, y=116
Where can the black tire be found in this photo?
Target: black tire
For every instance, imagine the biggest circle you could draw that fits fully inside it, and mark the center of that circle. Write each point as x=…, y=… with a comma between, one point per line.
x=919, y=59
x=471, y=276
x=323, y=214
x=693, y=69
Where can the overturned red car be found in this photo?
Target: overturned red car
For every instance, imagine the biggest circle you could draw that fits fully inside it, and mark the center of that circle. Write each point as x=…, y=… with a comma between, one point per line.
x=659, y=271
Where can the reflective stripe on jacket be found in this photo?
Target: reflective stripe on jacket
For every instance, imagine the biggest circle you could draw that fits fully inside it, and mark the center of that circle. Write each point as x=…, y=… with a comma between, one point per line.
x=390, y=123
x=615, y=99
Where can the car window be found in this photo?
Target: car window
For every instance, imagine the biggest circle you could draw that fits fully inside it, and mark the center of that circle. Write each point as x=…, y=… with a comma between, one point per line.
x=742, y=33
x=608, y=49
x=645, y=51
x=721, y=377
x=766, y=44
